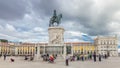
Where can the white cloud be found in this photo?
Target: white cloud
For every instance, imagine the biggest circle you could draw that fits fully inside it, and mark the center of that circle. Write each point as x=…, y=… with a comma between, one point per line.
x=10, y=27
x=71, y=40
x=91, y=17
x=114, y=26
x=1, y=27
x=73, y=33
x=38, y=29
x=3, y=36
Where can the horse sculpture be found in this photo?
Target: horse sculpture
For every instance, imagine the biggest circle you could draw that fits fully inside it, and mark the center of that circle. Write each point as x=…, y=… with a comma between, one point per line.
x=55, y=19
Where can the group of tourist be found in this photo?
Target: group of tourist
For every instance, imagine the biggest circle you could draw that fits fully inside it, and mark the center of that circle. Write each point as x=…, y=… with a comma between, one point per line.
x=76, y=57
x=29, y=57
x=84, y=57
x=5, y=56
x=49, y=58
x=12, y=59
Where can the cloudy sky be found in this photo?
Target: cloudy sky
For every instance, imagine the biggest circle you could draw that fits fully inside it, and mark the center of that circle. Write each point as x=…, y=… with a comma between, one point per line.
x=28, y=20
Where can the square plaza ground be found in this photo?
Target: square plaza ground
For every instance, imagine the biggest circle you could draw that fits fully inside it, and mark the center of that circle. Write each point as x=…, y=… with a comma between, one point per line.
x=111, y=62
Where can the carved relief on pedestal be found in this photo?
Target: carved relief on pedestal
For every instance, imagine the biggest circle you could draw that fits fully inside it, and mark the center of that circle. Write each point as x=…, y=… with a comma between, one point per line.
x=56, y=35
x=56, y=39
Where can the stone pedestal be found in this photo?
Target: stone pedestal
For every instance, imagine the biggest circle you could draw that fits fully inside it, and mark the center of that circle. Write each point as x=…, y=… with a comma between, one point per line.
x=56, y=36
x=56, y=39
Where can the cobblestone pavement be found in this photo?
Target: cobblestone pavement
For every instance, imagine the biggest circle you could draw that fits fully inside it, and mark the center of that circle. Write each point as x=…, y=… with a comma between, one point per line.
x=112, y=62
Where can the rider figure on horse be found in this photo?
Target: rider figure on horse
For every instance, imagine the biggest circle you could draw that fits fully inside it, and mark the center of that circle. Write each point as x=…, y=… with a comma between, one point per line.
x=55, y=19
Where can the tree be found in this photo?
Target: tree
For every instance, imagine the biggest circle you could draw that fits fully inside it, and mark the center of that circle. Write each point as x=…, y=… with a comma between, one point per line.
x=3, y=40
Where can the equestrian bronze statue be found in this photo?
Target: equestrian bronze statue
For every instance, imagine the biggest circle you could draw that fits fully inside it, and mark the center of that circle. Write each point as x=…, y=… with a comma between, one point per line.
x=55, y=20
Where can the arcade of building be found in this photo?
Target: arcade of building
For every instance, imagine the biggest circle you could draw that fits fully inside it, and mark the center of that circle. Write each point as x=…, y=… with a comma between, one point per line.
x=101, y=45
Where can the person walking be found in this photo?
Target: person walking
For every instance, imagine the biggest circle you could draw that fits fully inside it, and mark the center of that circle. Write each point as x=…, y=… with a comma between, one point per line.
x=12, y=60
x=105, y=56
x=67, y=60
x=4, y=56
x=51, y=59
x=78, y=57
x=94, y=56
x=31, y=58
x=90, y=56
x=26, y=57
x=99, y=57
x=0, y=55
x=82, y=57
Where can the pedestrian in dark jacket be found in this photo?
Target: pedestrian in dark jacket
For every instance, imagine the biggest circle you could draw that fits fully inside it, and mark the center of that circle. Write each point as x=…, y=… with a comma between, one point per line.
x=99, y=57
x=94, y=56
x=4, y=56
x=67, y=60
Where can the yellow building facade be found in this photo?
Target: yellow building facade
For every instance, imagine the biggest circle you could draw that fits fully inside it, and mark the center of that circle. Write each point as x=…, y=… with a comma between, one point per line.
x=83, y=47
x=80, y=47
x=21, y=49
x=31, y=48
x=25, y=50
